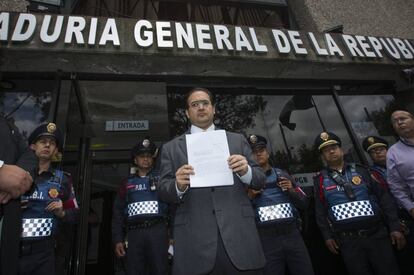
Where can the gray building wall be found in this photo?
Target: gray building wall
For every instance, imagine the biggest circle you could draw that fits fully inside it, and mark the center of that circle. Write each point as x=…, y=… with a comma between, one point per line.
x=368, y=17
x=13, y=5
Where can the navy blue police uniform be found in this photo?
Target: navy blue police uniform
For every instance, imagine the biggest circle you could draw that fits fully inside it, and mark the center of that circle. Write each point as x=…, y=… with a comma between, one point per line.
x=352, y=209
x=278, y=220
x=378, y=173
x=39, y=227
x=140, y=219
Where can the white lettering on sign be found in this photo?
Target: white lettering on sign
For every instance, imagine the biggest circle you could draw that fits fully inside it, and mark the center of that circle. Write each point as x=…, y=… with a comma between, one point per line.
x=403, y=48
x=297, y=42
x=257, y=46
x=376, y=45
x=110, y=33
x=282, y=41
x=127, y=125
x=54, y=36
x=143, y=27
x=362, y=41
x=102, y=32
x=241, y=40
x=319, y=50
x=222, y=36
x=4, y=26
x=92, y=31
x=390, y=48
x=203, y=37
x=352, y=45
x=184, y=35
x=164, y=34
x=332, y=46
x=24, y=20
x=75, y=26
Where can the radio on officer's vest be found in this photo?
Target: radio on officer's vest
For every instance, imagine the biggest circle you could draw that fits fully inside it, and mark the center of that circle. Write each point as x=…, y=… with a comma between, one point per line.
x=346, y=185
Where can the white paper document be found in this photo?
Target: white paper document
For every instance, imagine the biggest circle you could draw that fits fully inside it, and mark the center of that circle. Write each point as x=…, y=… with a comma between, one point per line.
x=208, y=153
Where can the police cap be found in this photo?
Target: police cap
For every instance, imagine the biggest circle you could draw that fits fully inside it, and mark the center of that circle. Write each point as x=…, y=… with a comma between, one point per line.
x=325, y=139
x=145, y=146
x=373, y=142
x=257, y=141
x=46, y=130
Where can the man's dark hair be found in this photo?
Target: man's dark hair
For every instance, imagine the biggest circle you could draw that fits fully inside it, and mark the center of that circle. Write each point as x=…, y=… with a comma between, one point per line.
x=402, y=108
x=198, y=89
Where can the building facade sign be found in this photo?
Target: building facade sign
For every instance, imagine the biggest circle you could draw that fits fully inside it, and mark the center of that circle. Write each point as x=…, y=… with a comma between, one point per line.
x=159, y=37
x=126, y=125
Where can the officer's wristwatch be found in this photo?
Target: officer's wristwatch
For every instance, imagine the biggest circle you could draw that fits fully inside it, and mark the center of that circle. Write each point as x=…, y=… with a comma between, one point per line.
x=1, y=163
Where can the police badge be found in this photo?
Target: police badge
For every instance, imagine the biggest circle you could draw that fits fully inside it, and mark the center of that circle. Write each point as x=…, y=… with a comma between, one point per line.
x=146, y=143
x=371, y=140
x=356, y=180
x=51, y=128
x=324, y=136
x=253, y=139
x=53, y=193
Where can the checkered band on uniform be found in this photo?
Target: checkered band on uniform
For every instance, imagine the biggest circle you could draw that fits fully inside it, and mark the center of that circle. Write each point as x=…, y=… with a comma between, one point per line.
x=275, y=212
x=353, y=209
x=143, y=207
x=34, y=228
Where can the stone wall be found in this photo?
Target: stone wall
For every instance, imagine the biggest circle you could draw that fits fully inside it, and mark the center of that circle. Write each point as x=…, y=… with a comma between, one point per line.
x=13, y=5
x=375, y=17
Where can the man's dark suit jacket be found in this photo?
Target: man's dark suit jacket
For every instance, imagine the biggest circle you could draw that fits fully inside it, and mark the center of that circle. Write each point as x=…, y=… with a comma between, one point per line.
x=204, y=213
x=13, y=150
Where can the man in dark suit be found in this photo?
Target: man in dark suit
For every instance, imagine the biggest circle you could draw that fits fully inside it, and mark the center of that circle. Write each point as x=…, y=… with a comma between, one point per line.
x=16, y=160
x=214, y=227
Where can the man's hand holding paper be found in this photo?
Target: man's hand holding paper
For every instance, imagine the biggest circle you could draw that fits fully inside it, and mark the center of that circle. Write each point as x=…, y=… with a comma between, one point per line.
x=209, y=156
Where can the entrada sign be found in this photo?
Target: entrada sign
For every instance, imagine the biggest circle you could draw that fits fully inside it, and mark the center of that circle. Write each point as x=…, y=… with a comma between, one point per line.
x=126, y=125
x=104, y=32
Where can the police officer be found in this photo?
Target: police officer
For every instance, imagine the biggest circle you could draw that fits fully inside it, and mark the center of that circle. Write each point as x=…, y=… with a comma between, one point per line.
x=51, y=199
x=142, y=216
x=352, y=212
x=377, y=148
x=277, y=216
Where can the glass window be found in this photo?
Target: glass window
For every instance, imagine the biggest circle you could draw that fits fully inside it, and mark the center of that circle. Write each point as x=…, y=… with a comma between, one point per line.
x=370, y=115
x=27, y=102
x=109, y=102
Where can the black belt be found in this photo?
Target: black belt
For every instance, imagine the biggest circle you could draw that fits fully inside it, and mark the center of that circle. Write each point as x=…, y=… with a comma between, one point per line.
x=277, y=229
x=362, y=233
x=29, y=247
x=145, y=224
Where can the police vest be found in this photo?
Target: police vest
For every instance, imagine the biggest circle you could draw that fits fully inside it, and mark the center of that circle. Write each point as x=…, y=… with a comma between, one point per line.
x=273, y=206
x=142, y=202
x=344, y=211
x=37, y=223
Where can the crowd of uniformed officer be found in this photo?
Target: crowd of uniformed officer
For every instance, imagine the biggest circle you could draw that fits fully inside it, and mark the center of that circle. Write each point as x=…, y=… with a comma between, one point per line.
x=356, y=213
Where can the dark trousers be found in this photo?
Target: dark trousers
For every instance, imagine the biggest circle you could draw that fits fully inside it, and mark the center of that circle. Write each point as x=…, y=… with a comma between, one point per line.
x=369, y=255
x=10, y=238
x=405, y=256
x=224, y=266
x=147, y=250
x=286, y=251
x=37, y=258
